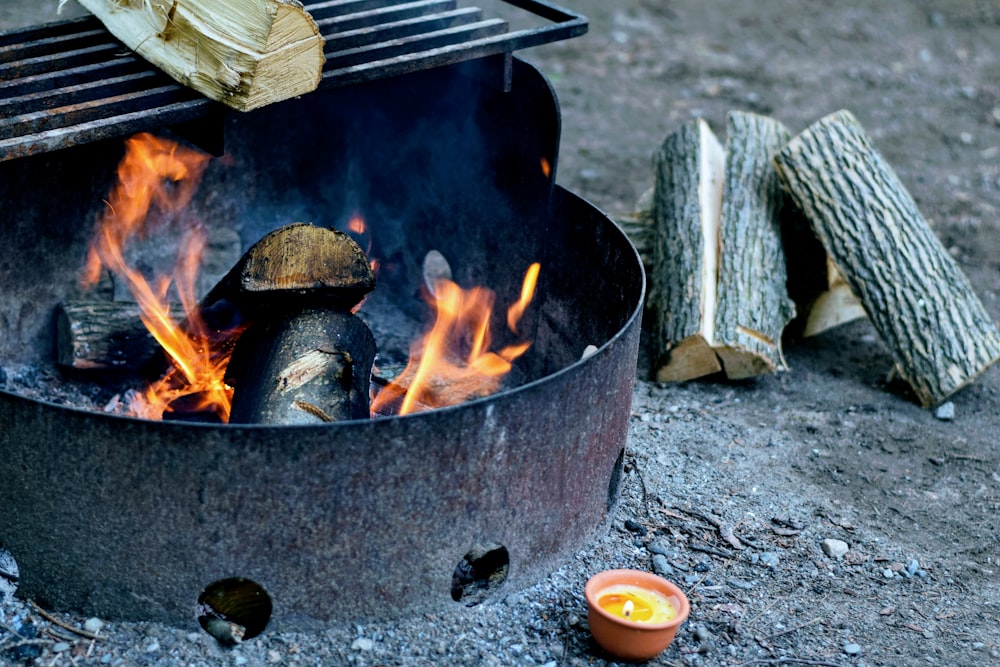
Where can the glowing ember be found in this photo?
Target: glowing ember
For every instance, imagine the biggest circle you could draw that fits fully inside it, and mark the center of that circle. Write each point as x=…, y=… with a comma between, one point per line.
x=453, y=362
x=161, y=173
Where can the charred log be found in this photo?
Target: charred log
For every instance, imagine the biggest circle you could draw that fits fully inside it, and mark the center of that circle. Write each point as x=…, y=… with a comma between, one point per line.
x=303, y=367
x=102, y=335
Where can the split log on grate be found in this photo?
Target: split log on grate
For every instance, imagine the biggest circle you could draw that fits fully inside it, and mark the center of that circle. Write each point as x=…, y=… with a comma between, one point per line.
x=304, y=358
x=914, y=293
x=244, y=53
x=103, y=335
x=718, y=270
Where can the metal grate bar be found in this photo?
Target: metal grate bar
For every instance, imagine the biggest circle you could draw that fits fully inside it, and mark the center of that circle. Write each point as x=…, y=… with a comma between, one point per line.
x=72, y=82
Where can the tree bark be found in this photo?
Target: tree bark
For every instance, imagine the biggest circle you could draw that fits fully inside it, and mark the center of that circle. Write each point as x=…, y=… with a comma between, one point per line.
x=103, y=335
x=689, y=175
x=303, y=367
x=243, y=53
x=753, y=306
x=914, y=293
x=718, y=279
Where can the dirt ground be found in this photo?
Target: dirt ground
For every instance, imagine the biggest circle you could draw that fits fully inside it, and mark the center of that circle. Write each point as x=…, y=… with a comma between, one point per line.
x=829, y=449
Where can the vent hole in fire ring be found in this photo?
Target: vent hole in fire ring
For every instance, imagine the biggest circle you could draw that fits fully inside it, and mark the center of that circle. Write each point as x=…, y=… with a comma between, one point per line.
x=235, y=609
x=479, y=573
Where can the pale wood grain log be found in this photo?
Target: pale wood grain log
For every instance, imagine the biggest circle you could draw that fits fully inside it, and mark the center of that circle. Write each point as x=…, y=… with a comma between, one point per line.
x=916, y=296
x=689, y=170
x=243, y=53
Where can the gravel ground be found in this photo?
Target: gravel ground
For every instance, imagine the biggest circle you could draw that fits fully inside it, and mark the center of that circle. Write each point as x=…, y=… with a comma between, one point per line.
x=827, y=451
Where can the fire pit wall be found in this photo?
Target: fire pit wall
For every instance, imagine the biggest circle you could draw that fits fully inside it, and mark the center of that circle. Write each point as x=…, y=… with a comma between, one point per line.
x=131, y=519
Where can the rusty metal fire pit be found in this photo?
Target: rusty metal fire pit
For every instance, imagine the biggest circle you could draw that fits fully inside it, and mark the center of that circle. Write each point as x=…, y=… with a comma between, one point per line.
x=131, y=519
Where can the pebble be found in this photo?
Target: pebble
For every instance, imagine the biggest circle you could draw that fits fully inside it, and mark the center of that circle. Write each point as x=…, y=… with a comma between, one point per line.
x=852, y=649
x=660, y=548
x=60, y=647
x=739, y=583
x=769, y=559
x=635, y=527
x=93, y=625
x=888, y=573
x=945, y=412
x=834, y=548
x=273, y=657
x=152, y=647
x=362, y=644
x=661, y=566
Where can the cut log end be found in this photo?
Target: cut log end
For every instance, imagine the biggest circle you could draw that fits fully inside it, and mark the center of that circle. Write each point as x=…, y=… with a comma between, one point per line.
x=690, y=359
x=243, y=53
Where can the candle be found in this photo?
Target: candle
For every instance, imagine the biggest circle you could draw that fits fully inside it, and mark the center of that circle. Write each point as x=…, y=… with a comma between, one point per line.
x=639, y=605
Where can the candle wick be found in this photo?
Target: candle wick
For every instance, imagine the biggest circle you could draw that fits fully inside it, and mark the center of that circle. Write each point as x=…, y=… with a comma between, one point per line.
x=627, y=608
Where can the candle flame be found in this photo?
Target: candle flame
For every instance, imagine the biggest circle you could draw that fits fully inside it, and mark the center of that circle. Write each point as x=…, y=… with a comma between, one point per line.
x=628, y=608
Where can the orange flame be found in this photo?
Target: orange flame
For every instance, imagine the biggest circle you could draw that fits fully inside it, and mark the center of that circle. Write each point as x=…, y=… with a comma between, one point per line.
x=453, y=363
x=163, y=173
x=546, y=168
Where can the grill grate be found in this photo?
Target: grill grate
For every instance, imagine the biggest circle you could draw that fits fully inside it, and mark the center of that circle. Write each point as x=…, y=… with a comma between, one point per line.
x=69, y=83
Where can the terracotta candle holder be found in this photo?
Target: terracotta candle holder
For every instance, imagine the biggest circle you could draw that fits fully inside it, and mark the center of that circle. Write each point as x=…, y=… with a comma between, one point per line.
x=634, y=615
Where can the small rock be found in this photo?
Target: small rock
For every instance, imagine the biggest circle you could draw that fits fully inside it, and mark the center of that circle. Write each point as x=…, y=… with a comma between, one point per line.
x=60, y=647
x=93, y=625
x=888, y=573
x=152, y=647
x=362, y=644
x=702, y=634
x=769, y=559
x=240, y=660
x=852, y=649
x=661, y=566
x=635, y=527
x=703, y=566
x=273, y=657
x=945, y=412
x=739, y=583
x=834, y=548
x=912, y=566
x=659, y=547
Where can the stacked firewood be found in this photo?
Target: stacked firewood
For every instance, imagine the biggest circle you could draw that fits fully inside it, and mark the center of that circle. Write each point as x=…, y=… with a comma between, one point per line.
x=740, y=236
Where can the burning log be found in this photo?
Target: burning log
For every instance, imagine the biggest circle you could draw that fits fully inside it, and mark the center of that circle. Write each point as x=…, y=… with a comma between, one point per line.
x=718, y=275
x=918, y=299
x=304, y=357
x=101, y=335
x=302, y=367
x=244, y=53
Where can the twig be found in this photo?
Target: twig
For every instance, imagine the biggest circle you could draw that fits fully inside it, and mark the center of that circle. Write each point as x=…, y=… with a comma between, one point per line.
x=709, y=550
x=642, y=483
x=794, y=628
x=790, y=661
x=696, y=585
x=62, y=624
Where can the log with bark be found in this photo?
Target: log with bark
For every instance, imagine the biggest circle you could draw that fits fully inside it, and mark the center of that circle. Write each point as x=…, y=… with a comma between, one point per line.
x=304, y=358
x=105, y=335
x=914, y=293
x=244, y=53
x=718, y=292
